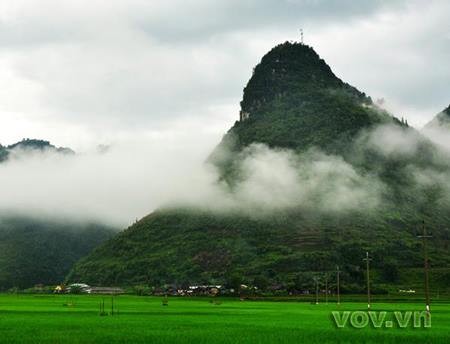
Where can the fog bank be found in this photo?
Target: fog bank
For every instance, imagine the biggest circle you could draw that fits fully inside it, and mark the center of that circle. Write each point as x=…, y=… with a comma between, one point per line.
x=130, y=179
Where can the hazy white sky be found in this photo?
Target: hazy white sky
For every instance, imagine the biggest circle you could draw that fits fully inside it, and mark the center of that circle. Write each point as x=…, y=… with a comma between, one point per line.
x=81, y=73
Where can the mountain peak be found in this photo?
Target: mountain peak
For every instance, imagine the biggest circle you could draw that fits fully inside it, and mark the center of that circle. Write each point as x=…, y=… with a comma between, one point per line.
x=288, y=68
x=294, y=100
x=284, y=65
x=32, y=145
x=39, y=145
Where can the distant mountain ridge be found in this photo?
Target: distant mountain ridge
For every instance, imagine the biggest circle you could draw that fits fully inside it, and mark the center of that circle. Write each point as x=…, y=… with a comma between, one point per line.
x=32, y=145
x=37, y=250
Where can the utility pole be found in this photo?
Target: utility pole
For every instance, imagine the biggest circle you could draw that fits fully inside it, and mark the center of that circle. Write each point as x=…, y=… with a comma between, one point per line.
x=367, y=259
x=338, y=286
x=301, y=36
x=112, y=304
x=424, y=238
x=317, y=289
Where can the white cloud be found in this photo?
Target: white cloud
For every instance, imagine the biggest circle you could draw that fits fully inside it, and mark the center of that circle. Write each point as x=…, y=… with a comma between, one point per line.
x=137, y=176
x=281, y=179
x=133, y=178
x=393, y=141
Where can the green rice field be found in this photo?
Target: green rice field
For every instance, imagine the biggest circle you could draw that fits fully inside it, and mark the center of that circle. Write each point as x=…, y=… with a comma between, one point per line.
x=77, y=319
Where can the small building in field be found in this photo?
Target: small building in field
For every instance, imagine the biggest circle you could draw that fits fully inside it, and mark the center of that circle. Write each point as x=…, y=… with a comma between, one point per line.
x=82, y=287
x=107, y=290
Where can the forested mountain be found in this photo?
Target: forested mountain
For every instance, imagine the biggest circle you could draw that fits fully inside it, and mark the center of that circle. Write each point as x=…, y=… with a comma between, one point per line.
x=362, y=180
x=41, y=250
x=36, y=251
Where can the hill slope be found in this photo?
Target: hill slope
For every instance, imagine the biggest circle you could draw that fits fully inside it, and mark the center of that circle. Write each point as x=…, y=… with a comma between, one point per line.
x=294, y=101
x=34, y=251
x=41, y=251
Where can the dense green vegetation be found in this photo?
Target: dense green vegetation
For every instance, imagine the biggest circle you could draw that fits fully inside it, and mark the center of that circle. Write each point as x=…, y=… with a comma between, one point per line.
x=36, y=251
x=294, y=101
x=75, y=319
x=284, y=251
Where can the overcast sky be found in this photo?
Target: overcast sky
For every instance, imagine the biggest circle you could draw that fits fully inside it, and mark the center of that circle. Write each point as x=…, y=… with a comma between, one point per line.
x=82, y=73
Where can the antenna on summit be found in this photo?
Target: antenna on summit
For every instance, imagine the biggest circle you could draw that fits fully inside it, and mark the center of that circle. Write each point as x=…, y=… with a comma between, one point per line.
x=301, y=36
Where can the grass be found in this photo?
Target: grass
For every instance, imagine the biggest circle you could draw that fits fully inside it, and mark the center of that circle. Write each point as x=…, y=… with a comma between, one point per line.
x=76, y=319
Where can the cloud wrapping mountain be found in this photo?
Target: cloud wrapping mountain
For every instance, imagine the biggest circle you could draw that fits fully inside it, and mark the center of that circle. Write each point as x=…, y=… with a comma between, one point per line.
x=131, y=179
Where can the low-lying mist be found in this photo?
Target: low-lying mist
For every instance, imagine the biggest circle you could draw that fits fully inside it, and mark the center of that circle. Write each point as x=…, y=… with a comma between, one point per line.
x=130, y=179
